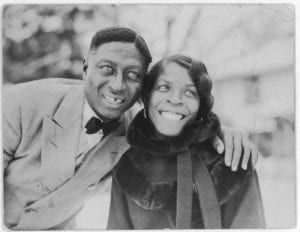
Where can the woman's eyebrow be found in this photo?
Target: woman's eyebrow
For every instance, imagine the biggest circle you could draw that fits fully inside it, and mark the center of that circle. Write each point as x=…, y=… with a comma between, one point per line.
x=164, y=80
x=191, y=85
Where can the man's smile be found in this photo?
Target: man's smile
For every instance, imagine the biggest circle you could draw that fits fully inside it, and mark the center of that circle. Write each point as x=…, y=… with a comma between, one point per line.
x=113, y=100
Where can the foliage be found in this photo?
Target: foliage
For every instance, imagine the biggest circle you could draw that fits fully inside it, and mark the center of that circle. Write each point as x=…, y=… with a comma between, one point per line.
x=46, y=40
x=41, y=41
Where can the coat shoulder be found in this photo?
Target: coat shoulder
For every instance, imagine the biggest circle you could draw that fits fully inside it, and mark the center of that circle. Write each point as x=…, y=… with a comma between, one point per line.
x=227, y=183
x=40, y=88
x=36, y=99
x=35, y=94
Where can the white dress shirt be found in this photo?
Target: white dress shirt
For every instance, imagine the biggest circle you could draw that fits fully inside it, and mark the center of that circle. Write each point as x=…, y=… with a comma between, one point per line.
x=87, y=141
x=94, y=213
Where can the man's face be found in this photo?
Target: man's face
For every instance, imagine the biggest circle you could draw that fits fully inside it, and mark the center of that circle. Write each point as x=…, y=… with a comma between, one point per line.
x=113, y=78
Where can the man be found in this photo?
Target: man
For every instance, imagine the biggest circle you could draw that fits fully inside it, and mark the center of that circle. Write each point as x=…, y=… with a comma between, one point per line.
x=62, y=137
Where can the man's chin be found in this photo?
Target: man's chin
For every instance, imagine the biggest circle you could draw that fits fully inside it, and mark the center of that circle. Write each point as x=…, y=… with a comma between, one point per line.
x=110, y=115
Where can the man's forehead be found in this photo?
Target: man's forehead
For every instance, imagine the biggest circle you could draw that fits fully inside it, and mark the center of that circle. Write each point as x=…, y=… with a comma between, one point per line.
x=119, y=51
x=122, y=48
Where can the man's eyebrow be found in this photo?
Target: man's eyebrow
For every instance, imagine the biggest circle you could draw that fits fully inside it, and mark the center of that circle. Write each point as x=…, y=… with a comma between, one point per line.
x=115, y=64
x=106, y=61
x=136, y=66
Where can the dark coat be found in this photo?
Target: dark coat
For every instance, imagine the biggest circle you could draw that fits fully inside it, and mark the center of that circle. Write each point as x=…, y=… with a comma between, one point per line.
x=144, y=183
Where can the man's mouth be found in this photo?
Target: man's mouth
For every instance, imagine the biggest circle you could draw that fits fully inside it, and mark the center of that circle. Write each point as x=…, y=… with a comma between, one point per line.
x=113, y=100
x=171, y=115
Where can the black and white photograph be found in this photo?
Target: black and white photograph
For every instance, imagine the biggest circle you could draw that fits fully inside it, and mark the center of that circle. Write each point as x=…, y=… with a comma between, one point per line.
x=136, y=116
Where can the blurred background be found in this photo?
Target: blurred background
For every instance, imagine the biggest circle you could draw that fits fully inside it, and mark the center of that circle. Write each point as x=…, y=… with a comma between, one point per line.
x=249, y=51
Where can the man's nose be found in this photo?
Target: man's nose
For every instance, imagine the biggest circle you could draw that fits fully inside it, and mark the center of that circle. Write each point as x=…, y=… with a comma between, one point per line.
x=117, y=85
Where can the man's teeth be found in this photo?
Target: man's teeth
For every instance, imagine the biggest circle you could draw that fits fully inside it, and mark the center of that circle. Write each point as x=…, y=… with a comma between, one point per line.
x=171, y=116
x=113, y=100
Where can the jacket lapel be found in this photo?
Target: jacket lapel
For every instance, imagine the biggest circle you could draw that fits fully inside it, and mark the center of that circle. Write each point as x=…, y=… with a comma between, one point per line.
x=64, y=201
x=60, y=139
x=104, y=156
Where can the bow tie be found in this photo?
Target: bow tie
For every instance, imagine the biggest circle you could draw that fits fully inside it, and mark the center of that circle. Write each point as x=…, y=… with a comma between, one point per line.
x=94, y=125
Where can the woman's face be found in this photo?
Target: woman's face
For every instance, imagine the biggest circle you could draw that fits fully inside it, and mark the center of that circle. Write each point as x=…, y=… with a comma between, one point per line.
x=174, y=101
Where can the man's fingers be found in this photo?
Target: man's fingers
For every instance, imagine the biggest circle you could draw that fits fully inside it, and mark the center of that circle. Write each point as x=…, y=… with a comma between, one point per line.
x=218, y=144
x=246, y=155
x=228, y=148
x=237, y=142
x=254, y=156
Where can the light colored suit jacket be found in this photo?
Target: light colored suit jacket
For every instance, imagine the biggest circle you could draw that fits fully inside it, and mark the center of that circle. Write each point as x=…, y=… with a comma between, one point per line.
x=41, y=128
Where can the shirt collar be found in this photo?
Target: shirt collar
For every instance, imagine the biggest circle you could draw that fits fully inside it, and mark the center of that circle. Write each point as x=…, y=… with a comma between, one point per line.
x=88, y=113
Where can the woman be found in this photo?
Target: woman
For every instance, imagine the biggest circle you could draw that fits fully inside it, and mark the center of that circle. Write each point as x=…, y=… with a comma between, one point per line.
x=171, y=177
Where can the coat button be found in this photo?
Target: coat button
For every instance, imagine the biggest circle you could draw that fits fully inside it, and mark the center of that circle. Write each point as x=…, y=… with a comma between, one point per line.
x=39, y=185
x=195, y=188
x=30, y=210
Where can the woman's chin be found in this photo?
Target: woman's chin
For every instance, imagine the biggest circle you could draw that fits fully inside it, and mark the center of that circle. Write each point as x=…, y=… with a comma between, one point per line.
x=168, y=133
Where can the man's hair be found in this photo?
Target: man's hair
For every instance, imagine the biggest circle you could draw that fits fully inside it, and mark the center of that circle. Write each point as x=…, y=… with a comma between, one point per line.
x=121, y=34
x=198, y=73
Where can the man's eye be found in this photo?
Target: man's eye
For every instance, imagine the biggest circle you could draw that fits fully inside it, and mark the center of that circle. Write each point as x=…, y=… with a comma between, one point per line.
x=133, y=76
x=190, y=93
x=163, y=88
x=106, y=69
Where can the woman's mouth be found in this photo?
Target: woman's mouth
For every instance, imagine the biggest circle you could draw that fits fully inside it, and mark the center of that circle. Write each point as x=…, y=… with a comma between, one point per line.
x=171, y=115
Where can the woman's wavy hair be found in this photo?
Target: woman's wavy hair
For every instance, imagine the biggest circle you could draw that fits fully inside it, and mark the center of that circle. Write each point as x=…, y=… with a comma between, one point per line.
x=198, y=73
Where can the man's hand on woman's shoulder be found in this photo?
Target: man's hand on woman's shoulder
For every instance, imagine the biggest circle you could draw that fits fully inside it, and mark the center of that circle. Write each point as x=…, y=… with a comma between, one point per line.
x=237, y=146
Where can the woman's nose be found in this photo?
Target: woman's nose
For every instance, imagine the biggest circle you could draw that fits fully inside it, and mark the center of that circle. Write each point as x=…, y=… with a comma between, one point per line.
x=175, y=98
x=116, y=84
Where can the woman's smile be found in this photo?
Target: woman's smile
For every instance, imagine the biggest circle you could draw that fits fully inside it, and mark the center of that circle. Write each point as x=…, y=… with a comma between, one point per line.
x=171, y=115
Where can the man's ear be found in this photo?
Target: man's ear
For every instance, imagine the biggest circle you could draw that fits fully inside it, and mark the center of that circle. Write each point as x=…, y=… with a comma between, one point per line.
x=84, y=66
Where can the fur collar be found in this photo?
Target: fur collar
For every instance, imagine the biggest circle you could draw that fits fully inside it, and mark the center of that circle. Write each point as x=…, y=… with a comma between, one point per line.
x=140, y=135
x=149, y=195
x=161, y=196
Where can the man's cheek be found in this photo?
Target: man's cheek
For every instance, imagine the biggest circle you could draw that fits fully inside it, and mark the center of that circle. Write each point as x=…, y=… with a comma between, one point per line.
x=135, y=91
x=133, y=96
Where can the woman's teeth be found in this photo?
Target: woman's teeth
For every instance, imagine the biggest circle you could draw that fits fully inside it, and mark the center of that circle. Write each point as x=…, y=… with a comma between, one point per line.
x=171, y=116
x=113, y=100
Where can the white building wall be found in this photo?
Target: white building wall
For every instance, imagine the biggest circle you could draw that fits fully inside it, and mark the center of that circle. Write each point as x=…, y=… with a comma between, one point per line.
x=275, y=99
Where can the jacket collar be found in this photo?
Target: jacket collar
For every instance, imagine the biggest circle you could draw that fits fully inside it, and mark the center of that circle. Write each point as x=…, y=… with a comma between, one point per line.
x=70, y=110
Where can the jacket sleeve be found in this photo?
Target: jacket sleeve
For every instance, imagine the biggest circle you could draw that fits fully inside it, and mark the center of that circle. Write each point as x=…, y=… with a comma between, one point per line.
x=119, y=216
x=11, y=123
x=245, y=208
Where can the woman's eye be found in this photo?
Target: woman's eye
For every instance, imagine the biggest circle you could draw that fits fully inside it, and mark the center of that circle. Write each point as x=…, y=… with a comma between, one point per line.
x=163, y=88
x=190, y=93
x=133, y=76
